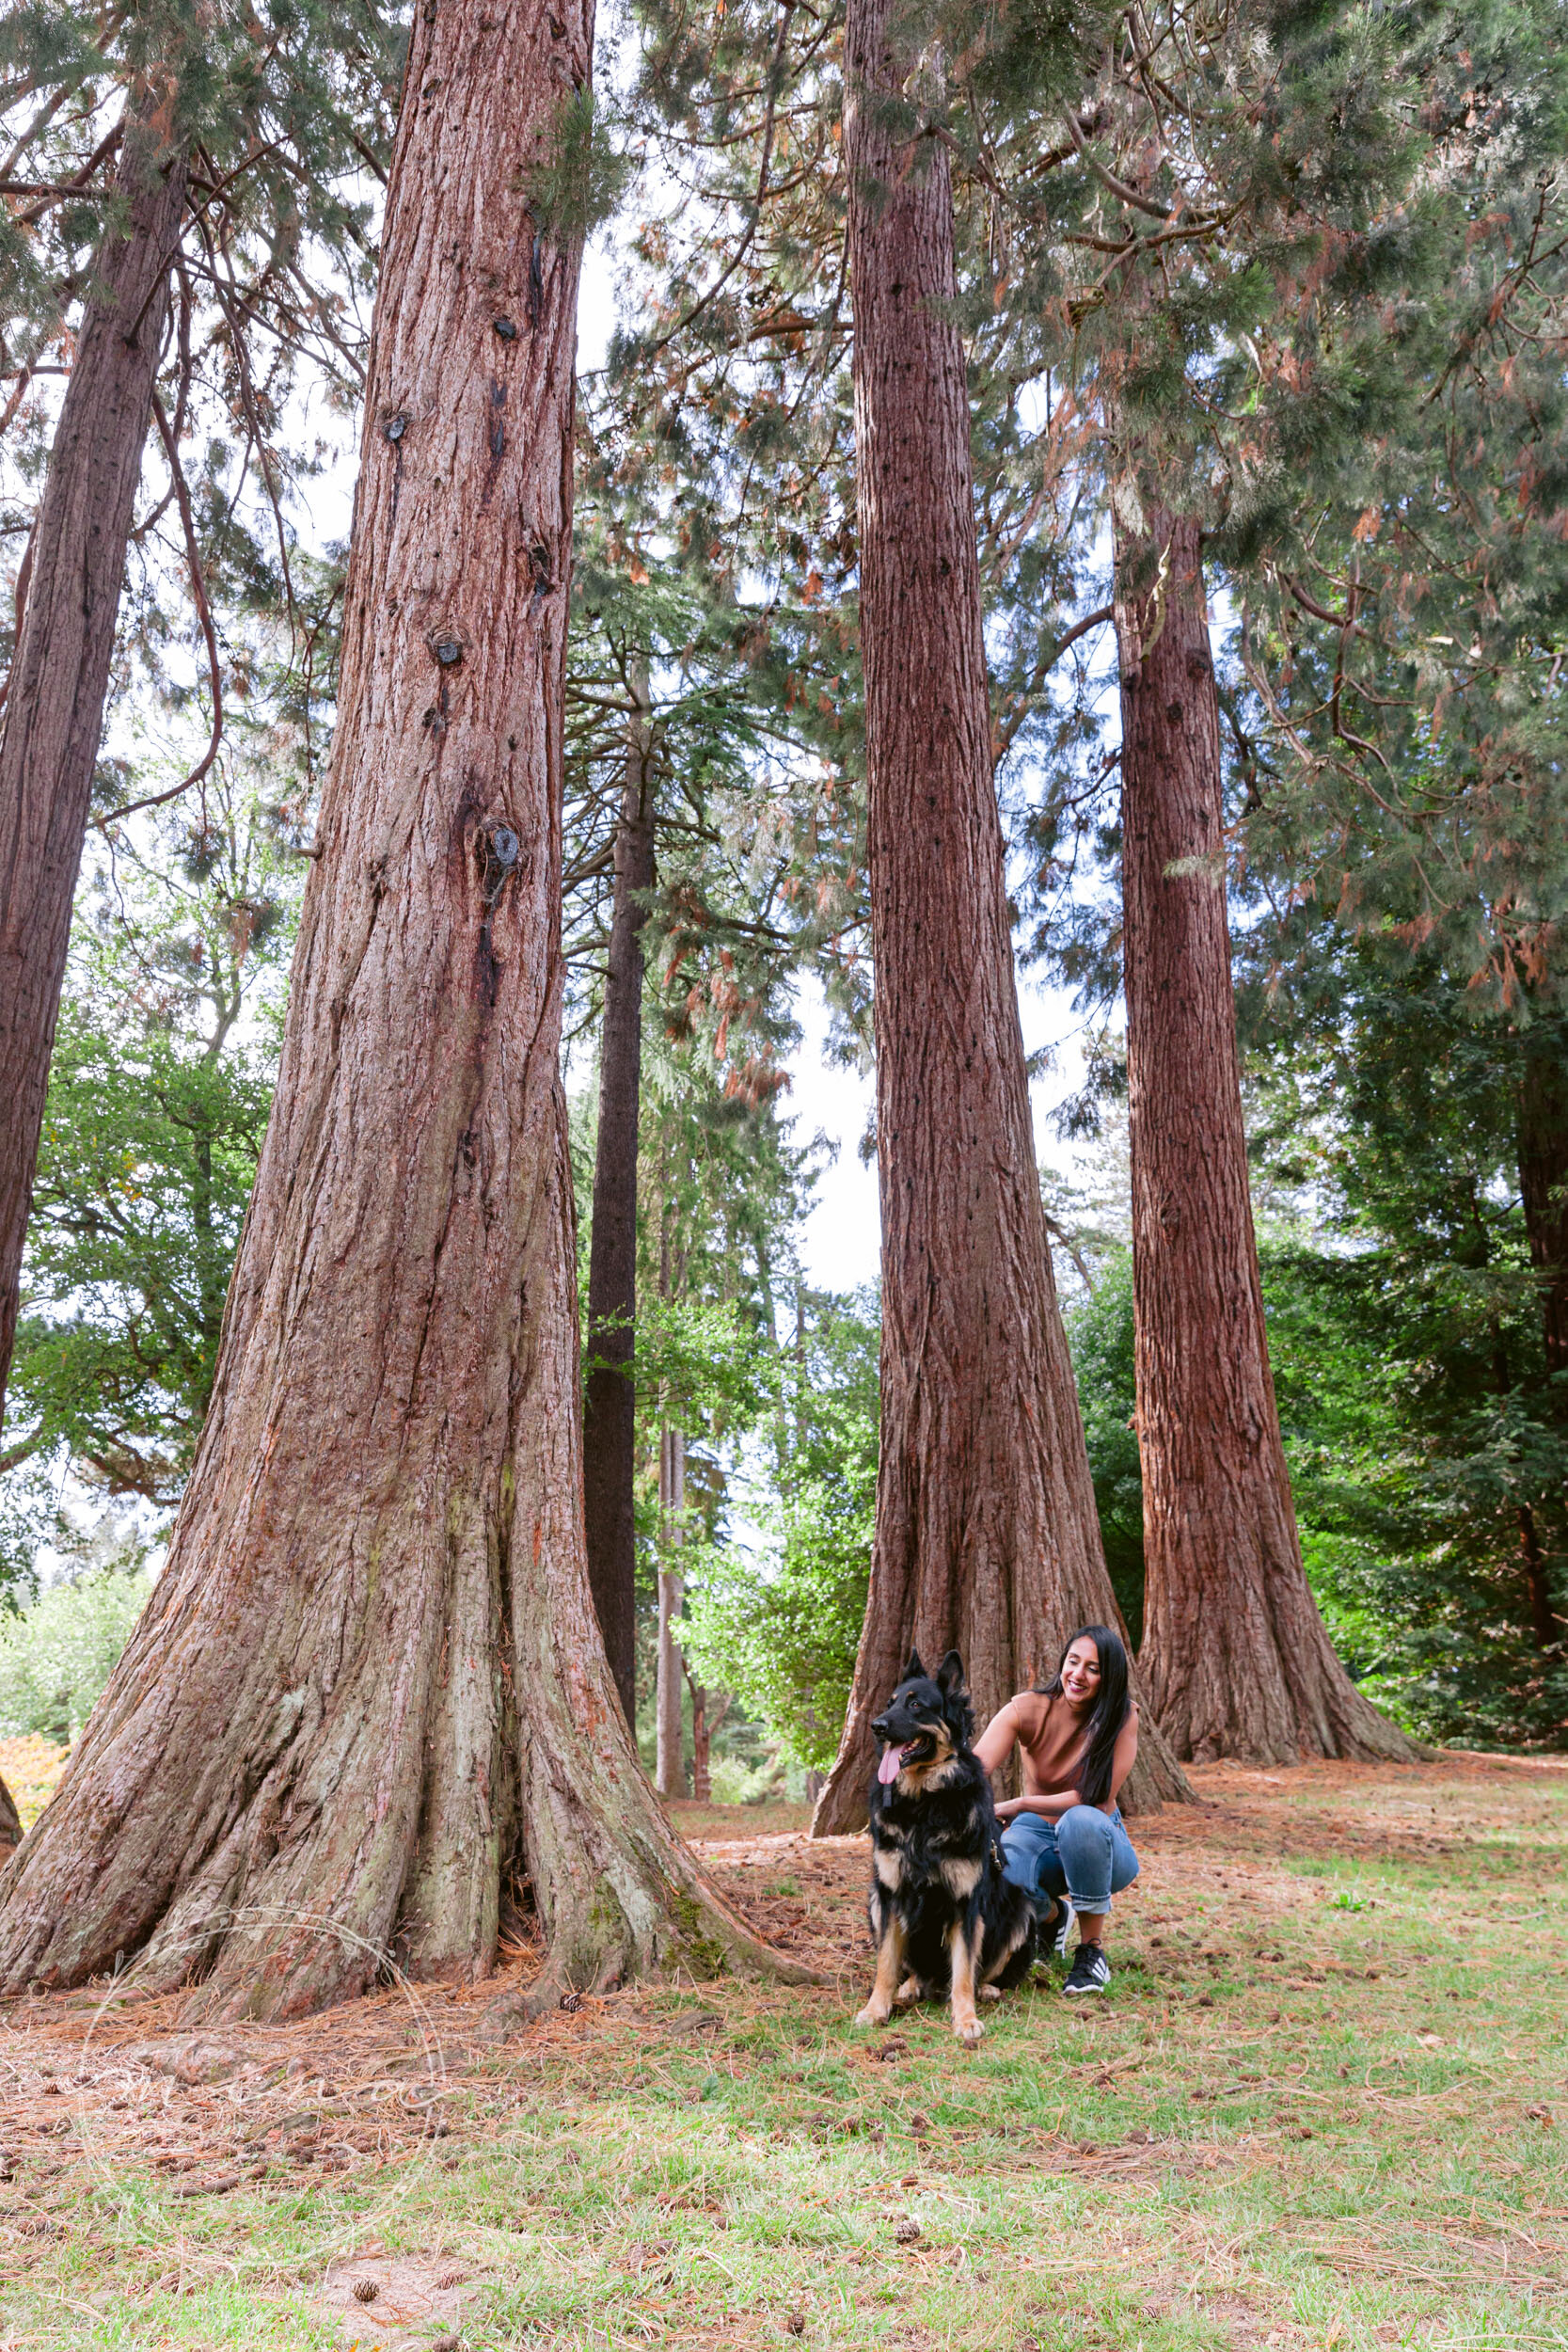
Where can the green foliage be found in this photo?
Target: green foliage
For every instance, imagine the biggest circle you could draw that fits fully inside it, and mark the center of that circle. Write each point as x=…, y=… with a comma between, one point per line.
x=159, y=1092
x=1449, y=1463
x=758, y=851
x=697, y=1363
x=1408, y=1470
x=56, y=1655
x=145, y=1171
x=1401, y=742
x=780, y=1627
x=579, y=185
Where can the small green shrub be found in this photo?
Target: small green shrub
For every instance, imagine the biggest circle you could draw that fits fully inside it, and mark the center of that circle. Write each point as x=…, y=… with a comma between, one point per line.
x=56, y=1655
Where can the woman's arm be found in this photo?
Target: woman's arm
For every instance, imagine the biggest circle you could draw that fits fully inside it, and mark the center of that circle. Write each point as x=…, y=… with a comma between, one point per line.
x=995, y=1743
x=1060, y=1801
x=994, y=1746
x=1123, y=1755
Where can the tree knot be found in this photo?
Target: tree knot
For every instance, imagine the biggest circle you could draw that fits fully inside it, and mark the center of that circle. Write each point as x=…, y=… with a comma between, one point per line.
x=500, y=849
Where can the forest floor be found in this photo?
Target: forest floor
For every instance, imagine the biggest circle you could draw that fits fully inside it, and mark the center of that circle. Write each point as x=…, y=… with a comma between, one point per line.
x=1324, y=2105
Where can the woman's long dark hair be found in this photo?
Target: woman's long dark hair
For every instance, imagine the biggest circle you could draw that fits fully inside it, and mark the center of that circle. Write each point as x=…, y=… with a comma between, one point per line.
x=1111, y=1709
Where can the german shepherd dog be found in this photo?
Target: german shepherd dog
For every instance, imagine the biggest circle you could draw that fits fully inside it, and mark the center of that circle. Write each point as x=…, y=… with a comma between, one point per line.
x=942, y=1915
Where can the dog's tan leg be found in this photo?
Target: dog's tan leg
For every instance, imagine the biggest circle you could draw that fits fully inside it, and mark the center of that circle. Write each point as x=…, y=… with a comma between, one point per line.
x=911, y=1990
x=890, y=1970
x=965, y=2024
x=998, y=1961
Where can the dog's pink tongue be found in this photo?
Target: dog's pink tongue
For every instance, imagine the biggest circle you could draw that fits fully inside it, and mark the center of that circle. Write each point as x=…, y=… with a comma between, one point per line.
x=887, y=1770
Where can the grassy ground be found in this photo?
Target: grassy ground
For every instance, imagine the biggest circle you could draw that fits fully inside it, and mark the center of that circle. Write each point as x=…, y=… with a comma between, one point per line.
x=1324, y=2105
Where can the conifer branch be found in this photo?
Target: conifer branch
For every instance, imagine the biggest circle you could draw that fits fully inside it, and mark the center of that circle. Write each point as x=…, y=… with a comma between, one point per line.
x=1319, y=611
x=1107, y=179
x=55, y=191
x=198, y=592
x=754, y=208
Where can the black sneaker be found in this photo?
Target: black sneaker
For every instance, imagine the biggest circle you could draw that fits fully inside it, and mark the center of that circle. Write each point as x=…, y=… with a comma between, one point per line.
x=1053, y=1916
x=1091, y=1971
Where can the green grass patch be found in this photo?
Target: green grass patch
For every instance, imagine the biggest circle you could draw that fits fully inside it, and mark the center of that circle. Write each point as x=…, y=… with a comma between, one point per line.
x=1324, y=2105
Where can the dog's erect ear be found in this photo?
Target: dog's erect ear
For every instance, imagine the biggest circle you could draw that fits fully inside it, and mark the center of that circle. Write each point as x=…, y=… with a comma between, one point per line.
x=915, y=1671
x=950, y=1675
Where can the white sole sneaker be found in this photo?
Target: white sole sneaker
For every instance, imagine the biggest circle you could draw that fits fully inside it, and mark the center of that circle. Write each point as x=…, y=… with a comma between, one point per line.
x=1088, y=1976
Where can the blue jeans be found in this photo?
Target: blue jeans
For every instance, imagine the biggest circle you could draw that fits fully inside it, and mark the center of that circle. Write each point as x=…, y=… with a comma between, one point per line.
x=1086, y=1855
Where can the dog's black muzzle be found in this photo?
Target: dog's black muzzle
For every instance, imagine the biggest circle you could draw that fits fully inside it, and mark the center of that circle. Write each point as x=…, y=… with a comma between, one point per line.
x=899, y=1728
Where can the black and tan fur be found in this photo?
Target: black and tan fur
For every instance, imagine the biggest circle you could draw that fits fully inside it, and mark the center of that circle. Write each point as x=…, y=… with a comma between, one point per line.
x=942, y=1915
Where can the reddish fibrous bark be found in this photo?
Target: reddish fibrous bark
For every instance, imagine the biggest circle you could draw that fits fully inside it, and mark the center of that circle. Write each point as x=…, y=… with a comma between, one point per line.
x=669, y=1742
x=11, y=1822
x=53, y=711
x=370, y=1676
x=1235, y=1655
x=1542, y=1149
x=1538, y=1584
x=987, y=1537
x=610, y=1418
x=704, y=1727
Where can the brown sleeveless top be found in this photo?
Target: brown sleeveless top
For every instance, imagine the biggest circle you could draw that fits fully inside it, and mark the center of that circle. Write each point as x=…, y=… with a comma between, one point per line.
x=1050, y=1736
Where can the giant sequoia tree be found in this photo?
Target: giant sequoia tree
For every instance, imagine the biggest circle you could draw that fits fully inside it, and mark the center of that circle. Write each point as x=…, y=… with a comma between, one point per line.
x=61, y=673
x=1404, y=633
x=987, y=1537
x=234, y=127
x=1221, y=176
x=369, y=1681
x=1235, y=1653
x=609, y=1411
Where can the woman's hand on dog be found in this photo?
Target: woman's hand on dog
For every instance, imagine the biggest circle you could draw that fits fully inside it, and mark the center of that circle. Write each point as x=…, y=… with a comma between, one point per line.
x=1050, y=1807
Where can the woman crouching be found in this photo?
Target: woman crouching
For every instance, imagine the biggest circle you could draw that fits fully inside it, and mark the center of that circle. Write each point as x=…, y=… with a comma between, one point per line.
x=1063, y=1840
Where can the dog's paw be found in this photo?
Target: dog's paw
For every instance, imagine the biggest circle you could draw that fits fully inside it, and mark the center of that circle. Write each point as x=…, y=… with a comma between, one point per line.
x=873, y=2014
x=969, y=2031
x=909, y=1992
x=988, y=1993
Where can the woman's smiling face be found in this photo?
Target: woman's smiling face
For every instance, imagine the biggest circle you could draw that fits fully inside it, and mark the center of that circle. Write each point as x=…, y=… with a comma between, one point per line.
x=1081, y=1673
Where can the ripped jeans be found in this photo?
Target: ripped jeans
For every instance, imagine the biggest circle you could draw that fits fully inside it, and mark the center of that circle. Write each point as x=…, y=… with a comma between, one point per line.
x=1086, y=1855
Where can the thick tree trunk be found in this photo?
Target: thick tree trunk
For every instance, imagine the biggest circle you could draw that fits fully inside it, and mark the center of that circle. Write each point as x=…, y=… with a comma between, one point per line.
x=987, y=1537
x=370, y=1670
x=1542, y=1149
x=701, y=1786
x=1538, y=1581
x=703, y=1729
x=11, y=1822
x=670, y=1762
x=1235, y=1655
x=610, y=1418
x=60, y=676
